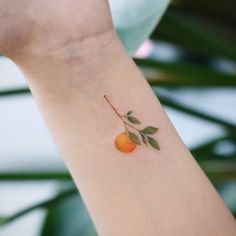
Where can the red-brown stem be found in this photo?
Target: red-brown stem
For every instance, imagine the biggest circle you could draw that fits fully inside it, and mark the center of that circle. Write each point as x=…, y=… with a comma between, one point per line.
x=120, y=116
x=117, y=113
x=132, y=127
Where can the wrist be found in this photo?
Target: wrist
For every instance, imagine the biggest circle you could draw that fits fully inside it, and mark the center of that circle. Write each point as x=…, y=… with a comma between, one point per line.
x=68, y=50
x=75, y=64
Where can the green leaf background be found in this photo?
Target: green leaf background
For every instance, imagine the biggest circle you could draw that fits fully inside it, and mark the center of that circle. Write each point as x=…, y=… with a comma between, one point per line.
x=68, y=218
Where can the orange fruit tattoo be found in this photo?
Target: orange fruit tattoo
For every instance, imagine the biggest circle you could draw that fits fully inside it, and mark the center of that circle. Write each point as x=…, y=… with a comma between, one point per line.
x=128, y=140
x=124, y=143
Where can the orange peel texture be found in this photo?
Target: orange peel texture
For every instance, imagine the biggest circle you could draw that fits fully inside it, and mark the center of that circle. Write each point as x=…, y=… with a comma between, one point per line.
x=124, y=143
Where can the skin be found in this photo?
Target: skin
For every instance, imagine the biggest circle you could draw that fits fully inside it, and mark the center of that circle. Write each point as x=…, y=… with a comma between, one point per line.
x=38, y=28
x=71, y=56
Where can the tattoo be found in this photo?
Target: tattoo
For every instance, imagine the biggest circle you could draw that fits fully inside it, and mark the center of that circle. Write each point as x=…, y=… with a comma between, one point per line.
x=128, y=140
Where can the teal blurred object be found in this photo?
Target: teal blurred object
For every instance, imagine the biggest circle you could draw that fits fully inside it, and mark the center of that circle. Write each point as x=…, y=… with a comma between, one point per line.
x=135, y=20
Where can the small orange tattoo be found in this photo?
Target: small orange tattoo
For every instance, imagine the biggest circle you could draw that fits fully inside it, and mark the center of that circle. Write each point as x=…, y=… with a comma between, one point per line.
x=127, y=141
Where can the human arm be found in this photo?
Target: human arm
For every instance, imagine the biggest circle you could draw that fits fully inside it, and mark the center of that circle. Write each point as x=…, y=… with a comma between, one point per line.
x=145, y=192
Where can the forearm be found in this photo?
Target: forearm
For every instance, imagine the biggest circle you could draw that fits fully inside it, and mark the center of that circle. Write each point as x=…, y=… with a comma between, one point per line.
x=145, y=192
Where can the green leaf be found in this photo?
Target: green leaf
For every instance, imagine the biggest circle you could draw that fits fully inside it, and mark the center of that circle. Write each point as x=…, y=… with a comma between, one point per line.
x=150, y=130
x=144, y=138
x=195, y=112
x=69, y=218
x=129, y=113
x=153, y=143
x=194, y=37
x=2, y=220
x=184, y=74
x=134, y=138
x=134, y=120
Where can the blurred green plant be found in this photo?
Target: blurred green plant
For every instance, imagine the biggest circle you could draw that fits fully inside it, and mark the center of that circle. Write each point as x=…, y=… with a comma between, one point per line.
x=66, y=213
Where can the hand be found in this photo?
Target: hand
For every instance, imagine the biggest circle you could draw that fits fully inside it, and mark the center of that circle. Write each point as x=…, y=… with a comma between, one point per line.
x=33, y=28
